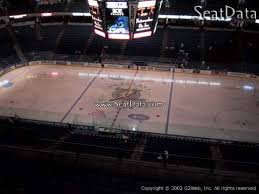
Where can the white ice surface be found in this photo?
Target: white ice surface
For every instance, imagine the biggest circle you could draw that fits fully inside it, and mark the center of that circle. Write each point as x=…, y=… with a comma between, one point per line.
x=201, y=105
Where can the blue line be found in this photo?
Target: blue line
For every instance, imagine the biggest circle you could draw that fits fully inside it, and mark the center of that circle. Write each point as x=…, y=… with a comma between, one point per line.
x=80, y=97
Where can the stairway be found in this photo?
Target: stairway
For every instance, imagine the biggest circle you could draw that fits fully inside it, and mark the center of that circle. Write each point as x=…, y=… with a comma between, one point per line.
x=139, y=149
x=123, y=47
x=60, y=36
x=164, y=46
x=202, y=47
x=67, y=6
x=89, y=42
x=16, y=45
x=216, y=155
x=62, y=139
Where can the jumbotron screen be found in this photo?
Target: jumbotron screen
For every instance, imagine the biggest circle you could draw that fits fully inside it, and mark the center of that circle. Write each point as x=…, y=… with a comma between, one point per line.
x=124, y=19
x=96, y=13
x=117, y=19
x=145, y=16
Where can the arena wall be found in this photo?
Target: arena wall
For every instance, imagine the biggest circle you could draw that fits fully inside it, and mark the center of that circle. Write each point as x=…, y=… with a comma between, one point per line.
x=152, y=68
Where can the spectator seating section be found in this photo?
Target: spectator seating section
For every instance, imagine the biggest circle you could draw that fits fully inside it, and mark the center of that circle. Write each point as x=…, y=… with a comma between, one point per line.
x=181, y=152
x=8, y=56
x=191, y=45
x=26, y=36
x=180, y=7
x=147, y=46
x=6, y=47
x=74, y=39
x=99, y=145
x=217, y=4
x=247, y=155
x=223, y=48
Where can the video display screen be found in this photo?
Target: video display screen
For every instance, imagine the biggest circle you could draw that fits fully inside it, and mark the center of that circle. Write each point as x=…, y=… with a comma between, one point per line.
x=96, y=14
x=124, y=19
x=117, y=17
x=145, y=16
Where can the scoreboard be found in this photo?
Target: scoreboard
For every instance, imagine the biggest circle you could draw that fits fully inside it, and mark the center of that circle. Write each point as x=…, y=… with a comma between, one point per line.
x=117, y=19
x=96, y=13
x=124, y=19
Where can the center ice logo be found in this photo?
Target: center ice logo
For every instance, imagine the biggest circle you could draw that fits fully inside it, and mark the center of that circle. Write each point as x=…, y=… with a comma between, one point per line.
x=122, y=93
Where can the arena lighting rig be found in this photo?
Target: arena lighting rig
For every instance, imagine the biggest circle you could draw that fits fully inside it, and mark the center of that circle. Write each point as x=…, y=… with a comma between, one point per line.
x=124, y=19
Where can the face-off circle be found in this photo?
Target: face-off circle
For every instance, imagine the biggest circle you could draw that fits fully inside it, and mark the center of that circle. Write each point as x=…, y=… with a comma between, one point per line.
x=139, y=117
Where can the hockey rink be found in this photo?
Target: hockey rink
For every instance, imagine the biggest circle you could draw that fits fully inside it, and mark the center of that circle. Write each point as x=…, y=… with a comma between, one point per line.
x=218, y=107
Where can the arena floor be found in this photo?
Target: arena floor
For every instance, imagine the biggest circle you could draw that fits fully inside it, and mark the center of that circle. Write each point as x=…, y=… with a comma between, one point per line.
x=174, y=103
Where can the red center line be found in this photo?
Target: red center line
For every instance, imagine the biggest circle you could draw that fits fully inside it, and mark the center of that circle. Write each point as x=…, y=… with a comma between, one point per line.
x=126, y=94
